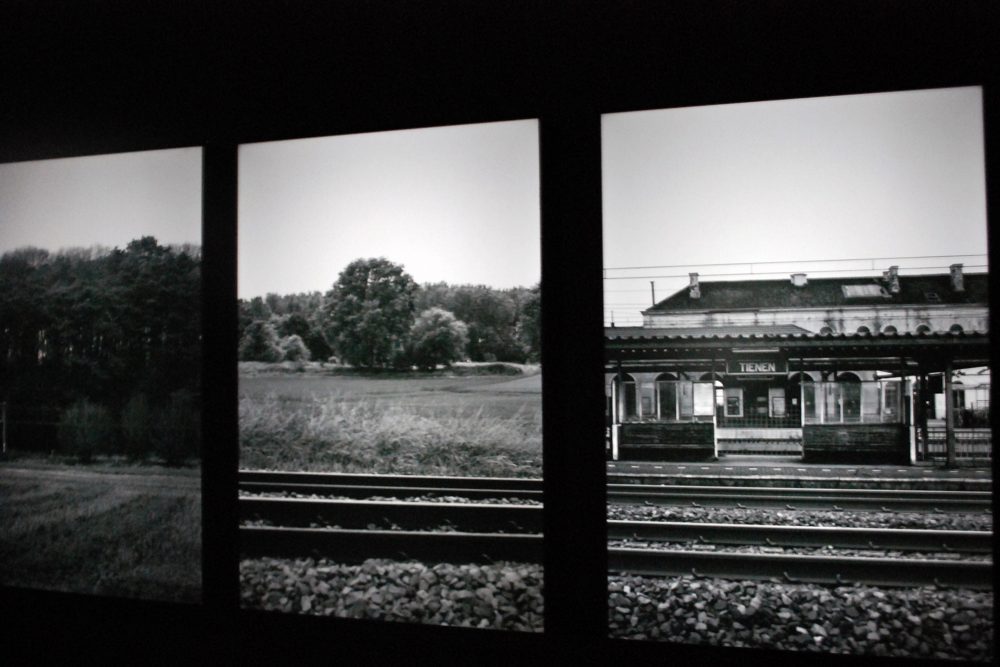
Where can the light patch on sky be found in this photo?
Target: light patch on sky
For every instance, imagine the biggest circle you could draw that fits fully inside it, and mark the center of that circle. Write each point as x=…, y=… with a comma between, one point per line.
x=458, y=204
x=885, y=175
x=105, y=200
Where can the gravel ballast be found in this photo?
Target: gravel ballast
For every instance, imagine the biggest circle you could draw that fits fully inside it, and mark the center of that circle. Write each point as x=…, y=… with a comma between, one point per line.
x=923, y=622
x=502, y=595
x=772, y=517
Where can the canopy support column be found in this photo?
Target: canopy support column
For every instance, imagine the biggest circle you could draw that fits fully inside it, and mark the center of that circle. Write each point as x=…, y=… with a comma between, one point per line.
x=949, y=417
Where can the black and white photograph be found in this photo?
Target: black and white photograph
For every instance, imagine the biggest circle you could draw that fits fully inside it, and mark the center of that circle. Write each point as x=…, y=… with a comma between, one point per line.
x=390, y=416
x=100, y=323
x=797, y=375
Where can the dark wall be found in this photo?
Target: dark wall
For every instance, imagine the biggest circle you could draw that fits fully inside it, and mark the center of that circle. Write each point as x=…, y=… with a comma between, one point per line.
x=849, y=443
x=95, y=76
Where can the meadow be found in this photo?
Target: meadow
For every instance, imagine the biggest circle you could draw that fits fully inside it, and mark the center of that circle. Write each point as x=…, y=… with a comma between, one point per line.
x=134, y=532
x=456, y=422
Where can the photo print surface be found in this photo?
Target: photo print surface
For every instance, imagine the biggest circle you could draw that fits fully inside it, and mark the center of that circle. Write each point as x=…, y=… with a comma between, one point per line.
x=389, y=376
x=100, y=323
x=797, y=375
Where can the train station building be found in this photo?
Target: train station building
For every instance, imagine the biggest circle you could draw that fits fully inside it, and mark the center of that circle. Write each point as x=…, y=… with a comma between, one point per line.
x=888, y=369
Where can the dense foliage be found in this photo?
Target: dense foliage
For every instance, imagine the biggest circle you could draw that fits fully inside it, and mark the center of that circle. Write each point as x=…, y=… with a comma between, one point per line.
x=367, y=319
x=437, y=338
x=86, y=332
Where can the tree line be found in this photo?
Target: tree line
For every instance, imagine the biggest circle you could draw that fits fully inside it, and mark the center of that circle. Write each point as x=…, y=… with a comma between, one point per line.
x=102, y=349
x=376, y=316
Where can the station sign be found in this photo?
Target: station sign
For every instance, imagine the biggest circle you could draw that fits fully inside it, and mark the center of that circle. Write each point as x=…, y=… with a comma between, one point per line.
x=752, y=366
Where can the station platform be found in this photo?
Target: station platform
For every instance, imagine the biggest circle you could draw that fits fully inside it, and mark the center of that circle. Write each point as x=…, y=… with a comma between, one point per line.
x=758, y=470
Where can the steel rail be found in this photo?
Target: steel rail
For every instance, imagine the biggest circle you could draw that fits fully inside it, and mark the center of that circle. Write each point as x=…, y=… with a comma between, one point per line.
x=372, y=479
x=360, y=514
x=359, y=491
x=896, y=539
x=366, y=485
x=801, y=498
x=355, y=546
x=796, y=568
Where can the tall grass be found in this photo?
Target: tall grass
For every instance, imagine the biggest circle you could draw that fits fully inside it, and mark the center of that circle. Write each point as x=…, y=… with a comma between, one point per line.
x=377, y=436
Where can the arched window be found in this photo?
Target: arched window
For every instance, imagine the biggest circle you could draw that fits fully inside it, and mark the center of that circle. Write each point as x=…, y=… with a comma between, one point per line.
x=864, y=330
x=955, y=329
x=826, y=331
x=923, y=329
x=889, y=329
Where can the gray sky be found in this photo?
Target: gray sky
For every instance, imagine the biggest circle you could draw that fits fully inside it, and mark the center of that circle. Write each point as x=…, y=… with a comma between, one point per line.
x=882, y=175
x=104, y=200
x=458, y=204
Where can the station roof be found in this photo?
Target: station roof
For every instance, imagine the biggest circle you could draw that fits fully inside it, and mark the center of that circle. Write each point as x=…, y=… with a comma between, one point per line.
x=915, y=290
x=933, y=350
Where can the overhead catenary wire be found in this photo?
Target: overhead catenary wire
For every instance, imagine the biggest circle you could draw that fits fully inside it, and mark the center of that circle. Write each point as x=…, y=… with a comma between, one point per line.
x=794, y=261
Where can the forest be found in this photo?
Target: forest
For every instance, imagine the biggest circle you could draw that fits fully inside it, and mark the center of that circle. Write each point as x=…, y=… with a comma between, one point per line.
x=102, y=350
x=376, y=316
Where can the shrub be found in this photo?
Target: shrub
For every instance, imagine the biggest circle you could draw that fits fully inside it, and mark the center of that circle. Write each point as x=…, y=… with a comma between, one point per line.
x=294, y=349
x=86, y=428
x=177, y=428
x=260, y=343
x=437, y=338
x=137, y=427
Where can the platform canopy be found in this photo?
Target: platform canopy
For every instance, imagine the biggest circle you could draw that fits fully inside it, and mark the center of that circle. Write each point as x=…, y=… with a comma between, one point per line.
x=645, y=348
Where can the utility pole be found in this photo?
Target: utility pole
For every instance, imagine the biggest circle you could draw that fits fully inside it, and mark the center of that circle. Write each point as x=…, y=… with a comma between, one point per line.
x=4, y=418
x=652, y=290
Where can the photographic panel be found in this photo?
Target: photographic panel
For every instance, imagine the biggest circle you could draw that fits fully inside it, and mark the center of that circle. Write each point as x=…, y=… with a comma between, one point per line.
x=100, y=322
x=797, y=375
x=390, y=406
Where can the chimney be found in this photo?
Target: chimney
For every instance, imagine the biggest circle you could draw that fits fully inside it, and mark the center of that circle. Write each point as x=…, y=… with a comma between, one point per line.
x=892, y=277
x=693, y=290
x=956, y=278
x=799, y=279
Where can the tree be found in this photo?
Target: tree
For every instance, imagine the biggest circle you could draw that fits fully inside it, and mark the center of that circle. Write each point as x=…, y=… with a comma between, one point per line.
x=260, y=343
x=293, y=349
x=437, y=338
x=530, y=331
x=369, y=312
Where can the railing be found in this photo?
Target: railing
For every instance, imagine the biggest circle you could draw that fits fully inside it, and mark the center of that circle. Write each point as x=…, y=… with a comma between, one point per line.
x=970, y=443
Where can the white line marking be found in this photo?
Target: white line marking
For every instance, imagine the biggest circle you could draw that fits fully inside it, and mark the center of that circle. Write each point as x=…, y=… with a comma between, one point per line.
x=799, y=469
x=681, y=467
x=658, y=467
x=634, y=467
x=900, y=470
x=777, y=469
x=826, y=470
x=704, y=467
x=728, y=468
x=852, y=470
x=752, y=468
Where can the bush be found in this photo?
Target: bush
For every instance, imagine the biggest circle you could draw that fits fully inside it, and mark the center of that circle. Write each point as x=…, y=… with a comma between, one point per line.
x=260, y=343
x=137, y=427
x=293, y=349
x=177, y=428
x=437, y=338
x=85, y=429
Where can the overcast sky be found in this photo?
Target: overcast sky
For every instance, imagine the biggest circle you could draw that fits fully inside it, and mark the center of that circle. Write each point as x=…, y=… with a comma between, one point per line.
x=458, y=204
x=883, y=175
x=104, y=200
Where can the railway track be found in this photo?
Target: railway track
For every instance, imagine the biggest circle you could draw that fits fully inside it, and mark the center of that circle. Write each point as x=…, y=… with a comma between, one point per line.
x=366, y=486
x=475, y=488
x=796, y=498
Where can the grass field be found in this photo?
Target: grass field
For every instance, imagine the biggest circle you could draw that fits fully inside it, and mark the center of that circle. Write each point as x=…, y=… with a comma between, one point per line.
x=444, y=424
x=129, y=533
